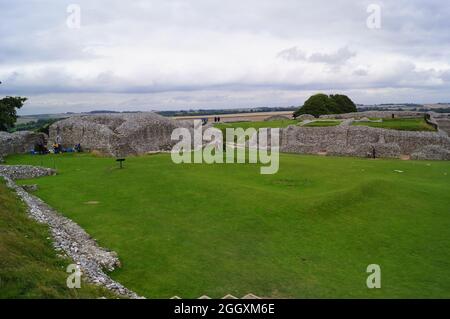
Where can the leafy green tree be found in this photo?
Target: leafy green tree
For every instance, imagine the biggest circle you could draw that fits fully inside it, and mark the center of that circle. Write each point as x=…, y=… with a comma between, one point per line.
x=345, y=104
x=321, y=104
x=8, y=111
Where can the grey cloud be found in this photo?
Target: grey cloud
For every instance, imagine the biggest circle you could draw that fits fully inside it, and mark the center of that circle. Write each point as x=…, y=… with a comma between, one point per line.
x=445, y=76
x=292, y=54
x=360, y=72
x=340, y=56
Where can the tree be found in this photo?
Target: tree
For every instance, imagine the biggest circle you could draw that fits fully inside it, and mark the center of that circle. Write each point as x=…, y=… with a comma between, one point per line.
x=345, y=104
x=321, y=104
x=8, y=111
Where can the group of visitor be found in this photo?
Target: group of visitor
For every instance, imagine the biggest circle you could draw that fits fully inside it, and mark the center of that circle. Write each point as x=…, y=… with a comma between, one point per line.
x=56, y=148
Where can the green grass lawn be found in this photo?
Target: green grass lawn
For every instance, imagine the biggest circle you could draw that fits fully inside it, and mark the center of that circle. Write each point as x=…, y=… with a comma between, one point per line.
x=309, y=231
x=322, y=123
x=29, y=267
x=257, y=124
x=415, y=124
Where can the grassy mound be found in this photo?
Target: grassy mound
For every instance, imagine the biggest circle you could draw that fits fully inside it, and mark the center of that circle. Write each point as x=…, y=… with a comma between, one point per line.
x=416, y=124
x=257, y=124
x=322, y=123
x=310, y=230
x=29, y=267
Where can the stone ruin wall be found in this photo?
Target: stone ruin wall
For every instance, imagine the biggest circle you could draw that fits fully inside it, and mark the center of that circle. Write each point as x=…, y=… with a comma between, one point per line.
x=90, y=135
x=360, y=141
x=117, y=134
x=129, y=134
x=19, y=142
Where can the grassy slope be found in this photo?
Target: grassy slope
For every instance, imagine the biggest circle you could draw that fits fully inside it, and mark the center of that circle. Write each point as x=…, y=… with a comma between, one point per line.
x=322, y=123
x=257, y=124
x=308, y=231
x=418, y=124
x=29, y=267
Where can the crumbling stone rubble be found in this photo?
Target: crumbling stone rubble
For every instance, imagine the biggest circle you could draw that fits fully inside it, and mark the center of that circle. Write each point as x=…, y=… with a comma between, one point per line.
x=68, y=237
x=25, y=171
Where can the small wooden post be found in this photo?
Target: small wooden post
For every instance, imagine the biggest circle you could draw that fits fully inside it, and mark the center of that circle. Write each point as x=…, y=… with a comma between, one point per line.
x=120, y=160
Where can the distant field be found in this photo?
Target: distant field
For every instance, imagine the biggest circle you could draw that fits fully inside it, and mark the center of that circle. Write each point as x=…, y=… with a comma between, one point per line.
x=238, y=117
x=310, y=230
x=34, y=118
x=418, y=124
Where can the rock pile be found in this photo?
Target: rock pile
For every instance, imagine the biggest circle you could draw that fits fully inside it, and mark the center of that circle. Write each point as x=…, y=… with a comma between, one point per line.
x=25, y=171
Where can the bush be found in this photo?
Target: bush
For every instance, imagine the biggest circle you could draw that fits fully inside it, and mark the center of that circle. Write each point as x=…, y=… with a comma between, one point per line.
x=321, y=104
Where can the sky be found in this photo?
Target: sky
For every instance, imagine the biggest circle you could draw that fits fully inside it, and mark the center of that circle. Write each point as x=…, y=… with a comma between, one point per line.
x=171, y=54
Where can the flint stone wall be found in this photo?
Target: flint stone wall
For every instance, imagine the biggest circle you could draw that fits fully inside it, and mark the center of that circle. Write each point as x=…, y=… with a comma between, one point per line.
x=117, y=134
x=361, y=141
x=25, y=171
x=19, y=142
x=433, y=152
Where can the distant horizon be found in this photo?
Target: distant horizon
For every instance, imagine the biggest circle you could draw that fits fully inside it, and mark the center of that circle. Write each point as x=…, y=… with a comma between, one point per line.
x=21, y=114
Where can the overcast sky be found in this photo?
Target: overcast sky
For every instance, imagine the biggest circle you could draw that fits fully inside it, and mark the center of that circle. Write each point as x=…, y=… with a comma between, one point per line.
x=166, y=55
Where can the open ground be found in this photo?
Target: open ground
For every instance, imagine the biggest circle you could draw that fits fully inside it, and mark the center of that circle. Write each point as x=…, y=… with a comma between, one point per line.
x=309, y=231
